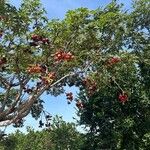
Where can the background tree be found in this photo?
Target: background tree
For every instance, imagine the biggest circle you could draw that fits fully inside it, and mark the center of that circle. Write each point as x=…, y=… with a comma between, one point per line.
x=61, y=135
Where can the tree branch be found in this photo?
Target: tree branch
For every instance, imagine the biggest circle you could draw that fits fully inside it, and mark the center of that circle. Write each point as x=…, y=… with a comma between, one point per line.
x=24, y=109
x=28, y=104
x=4, y=81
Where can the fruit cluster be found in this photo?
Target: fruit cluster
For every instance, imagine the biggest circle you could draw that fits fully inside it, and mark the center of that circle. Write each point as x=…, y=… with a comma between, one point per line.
x=38, y=39
x=69, y=97
x=123, y=97
x=90, y=85
x=48, y=78
x=113, y=60
x=63, y=56
x=79, y=104
x=33, y=69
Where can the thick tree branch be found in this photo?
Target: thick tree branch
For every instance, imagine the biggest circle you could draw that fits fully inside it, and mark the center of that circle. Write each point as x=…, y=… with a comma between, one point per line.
x=5, y=99
x=22, y=83
x=24, y=109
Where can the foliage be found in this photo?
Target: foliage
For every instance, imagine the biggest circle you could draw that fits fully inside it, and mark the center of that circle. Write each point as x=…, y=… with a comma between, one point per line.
x=117, y=113
x=104, y=52
x=60, y=136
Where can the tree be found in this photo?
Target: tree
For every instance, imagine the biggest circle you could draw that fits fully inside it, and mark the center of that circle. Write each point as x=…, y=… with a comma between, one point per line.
x=33, y=59
x=60, y=136
x=117, y=113
x=40, y=56
x=65, y=135
x=104, y=52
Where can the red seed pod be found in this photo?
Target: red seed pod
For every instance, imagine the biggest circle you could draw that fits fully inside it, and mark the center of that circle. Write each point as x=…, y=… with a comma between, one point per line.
x=69, y=96
x=114, y=60
x=45, y=41
x=123, y=97
x=58, y=56
x=51, y=75
x=79, y=104
x=68, y=56
x=35, y=69
x=44, y=80
x=35, y=37
x=61, y=55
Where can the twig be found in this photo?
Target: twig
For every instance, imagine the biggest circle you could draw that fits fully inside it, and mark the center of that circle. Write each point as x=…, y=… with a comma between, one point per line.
x=113, y=79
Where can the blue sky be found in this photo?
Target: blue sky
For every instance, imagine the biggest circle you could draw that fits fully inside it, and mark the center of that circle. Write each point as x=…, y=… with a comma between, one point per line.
x=57, y=9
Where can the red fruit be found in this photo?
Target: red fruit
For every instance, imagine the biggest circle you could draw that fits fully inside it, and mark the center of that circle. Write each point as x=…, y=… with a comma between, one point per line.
x=51, y=75
x=68, y=56
x=36, y=38
x=45, y=40
x=69, y=96
x=61, y=55
x=91, y=85
x=113, y=60
x=123, y=97
x=58, y=55
x=44, y=80
x=35, y=69
x=48, y=78
x=79, y=104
